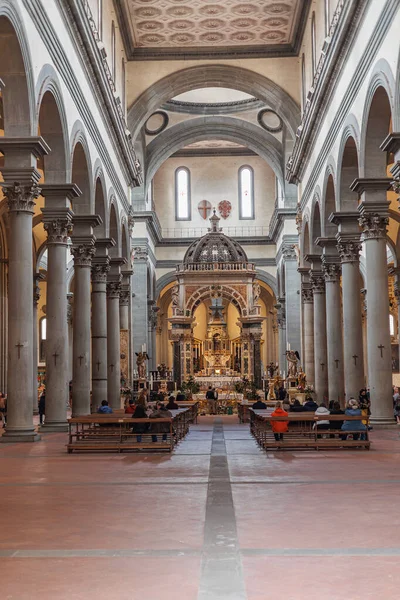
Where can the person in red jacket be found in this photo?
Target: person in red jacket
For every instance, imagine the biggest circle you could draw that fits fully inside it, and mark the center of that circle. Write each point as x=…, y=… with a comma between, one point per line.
x=279, y=427
x=130, y=409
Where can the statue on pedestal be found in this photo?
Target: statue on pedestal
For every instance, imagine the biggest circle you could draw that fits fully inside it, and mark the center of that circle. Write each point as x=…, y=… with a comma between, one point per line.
x=141, y=364
x=292, y=357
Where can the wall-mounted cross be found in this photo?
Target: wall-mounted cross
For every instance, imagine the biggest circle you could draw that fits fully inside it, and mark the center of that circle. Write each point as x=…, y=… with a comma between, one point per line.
x=355, y=356
x=381, y=348
x=322, y=365
x=55, y=356
x=337, y=363
x=80, y=358
x=112, y=368
x=19, y=346
x=98, y=365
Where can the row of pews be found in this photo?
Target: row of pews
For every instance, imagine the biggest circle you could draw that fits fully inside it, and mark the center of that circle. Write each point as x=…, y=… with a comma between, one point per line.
x=304, y=433
x=119, y=432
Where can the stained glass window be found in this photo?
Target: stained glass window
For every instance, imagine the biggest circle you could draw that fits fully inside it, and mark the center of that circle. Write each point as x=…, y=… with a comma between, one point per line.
x=246, y=193
x=182, y=194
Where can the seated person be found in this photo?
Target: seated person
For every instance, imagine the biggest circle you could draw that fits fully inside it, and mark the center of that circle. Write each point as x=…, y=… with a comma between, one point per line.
x=104, y=409
x=286, y=404
x=180, y=396
x=279, y=427
x=353, y=410
x=139, y=428
x=160, y=412
x=309, y=405
x=336, y=410
x=130, y=408
x=296, y=406
x=172, y=405
x=259, y=404
x=322, y=411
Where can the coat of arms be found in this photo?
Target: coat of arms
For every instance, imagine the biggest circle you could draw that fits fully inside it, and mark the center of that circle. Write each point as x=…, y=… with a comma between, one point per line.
x=224, y=208
x=204, y=208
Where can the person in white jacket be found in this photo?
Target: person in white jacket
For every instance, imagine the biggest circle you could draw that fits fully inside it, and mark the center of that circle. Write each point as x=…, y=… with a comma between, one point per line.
x=322, y=411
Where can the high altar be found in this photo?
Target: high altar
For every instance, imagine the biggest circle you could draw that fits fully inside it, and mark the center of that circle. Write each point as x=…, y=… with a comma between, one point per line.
x=216, y=270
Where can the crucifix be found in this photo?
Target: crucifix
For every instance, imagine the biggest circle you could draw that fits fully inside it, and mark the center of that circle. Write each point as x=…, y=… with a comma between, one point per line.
x=19, y=346
x=381, y=348
x=322, y=365
x=112, y=368
x=337, y=363
x=80, y=358
x=98, y=365
x=55, y=356
x=355, y=356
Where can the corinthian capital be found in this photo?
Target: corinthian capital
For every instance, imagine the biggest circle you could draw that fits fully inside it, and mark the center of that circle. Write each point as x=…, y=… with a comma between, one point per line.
x=374, y=225
x=21, y=197
x=124, y=297
x=58, y=230
x=349, y=251
x=318, y=284
x=99, y=272
x=113, y=289
x=83, y=254
x=332, y=272
x=307, y=295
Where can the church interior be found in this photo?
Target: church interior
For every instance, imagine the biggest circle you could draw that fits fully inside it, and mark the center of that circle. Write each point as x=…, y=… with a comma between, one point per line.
x=199, y=299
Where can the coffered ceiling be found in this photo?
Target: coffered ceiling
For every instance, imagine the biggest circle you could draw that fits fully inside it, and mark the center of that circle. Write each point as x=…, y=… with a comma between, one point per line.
x=175, y=29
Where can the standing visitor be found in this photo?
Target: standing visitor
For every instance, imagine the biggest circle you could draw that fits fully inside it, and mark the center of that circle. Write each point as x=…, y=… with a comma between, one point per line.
x=42, y=406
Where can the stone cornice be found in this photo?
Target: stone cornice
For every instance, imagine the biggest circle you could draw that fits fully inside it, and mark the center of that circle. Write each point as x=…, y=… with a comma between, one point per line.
x=278, y=220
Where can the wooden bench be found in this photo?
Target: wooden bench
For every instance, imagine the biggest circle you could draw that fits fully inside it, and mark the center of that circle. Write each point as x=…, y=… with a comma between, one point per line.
x=303, y=431
x=115, y=432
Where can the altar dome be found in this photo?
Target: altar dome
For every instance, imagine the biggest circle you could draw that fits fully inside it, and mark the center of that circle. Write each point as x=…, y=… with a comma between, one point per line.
x=214, y=246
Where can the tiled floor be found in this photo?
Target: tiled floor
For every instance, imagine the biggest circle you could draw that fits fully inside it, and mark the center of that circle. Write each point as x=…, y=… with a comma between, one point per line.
x=219, y=519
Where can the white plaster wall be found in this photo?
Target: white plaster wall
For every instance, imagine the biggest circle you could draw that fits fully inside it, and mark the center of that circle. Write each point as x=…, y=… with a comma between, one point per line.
x=214, y=179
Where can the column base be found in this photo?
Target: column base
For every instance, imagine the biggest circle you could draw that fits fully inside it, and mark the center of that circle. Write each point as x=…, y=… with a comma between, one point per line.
x=16, y=437
x=55, y=427
x=383, y=422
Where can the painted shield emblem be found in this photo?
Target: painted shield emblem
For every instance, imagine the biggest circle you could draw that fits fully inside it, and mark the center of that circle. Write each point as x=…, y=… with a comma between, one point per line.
x=224, y=208
x=204, y=208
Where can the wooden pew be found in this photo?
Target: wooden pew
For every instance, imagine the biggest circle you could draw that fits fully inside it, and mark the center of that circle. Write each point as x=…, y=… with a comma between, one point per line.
x=303, y=431
x=113, y=432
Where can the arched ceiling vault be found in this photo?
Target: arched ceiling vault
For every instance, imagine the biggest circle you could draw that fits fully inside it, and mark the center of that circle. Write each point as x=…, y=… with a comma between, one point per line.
x=203, y=76
x=207, y=128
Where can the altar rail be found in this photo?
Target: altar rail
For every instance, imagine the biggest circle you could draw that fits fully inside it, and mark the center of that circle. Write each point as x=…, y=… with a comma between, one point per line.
x=217, y=266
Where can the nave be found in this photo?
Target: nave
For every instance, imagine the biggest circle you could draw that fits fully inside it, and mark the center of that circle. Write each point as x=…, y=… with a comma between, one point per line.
x=218, y=518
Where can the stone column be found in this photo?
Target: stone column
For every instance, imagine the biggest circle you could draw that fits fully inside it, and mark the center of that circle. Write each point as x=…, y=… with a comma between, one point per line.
x=100, y=269
x=331, y=270
x=124, y=306
x=308, y=333
x=57, y=219
x=153, y=318
x=83, y=250
x=349, y=251
x=374, y=219
x=320, y=349
x=281, y=321
x=292, y=299
x=20, y=189
x=113, y=333
x=36, y=297
x=139, y=304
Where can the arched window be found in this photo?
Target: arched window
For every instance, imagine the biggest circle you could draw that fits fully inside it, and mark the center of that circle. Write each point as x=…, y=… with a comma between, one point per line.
x=100, y=18
x=303, y=80
x=313, y=45
x=391, y=324
x=113, y=52
x=327, y=17
x=182, y=194
x=42, y=339
x=246, y=192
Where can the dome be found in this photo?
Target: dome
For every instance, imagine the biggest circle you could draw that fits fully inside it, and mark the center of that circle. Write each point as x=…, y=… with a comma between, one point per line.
x=215, y=246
